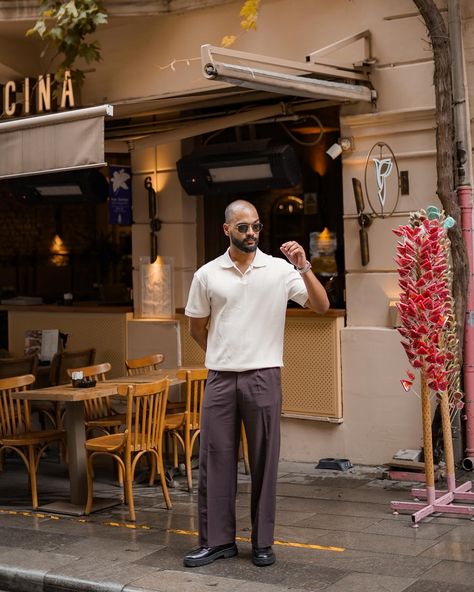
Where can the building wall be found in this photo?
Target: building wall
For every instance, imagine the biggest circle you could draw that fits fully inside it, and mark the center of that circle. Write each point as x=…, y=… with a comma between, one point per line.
x=159, y=56
x=175, y=209
x=379, y=418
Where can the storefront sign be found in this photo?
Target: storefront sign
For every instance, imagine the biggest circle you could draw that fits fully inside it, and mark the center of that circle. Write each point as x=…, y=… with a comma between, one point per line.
x=34, y=96
x=381, y=178
x=120, y=195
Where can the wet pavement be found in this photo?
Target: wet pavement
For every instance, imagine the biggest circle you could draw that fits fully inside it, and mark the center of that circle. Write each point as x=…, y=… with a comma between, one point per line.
x=335, y=531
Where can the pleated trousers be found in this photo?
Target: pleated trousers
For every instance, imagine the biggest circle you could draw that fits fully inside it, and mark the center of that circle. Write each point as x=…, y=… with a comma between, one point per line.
x=253, y=396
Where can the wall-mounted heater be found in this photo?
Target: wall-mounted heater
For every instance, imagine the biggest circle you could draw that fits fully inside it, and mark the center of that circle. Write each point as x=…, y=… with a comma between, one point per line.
x=239, y=167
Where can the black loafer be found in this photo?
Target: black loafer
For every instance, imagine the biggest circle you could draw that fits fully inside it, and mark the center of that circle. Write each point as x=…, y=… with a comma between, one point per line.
x=262, y=556
x=205, y=555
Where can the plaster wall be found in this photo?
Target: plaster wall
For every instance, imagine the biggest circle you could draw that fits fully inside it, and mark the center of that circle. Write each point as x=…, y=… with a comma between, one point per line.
x=160, y=56
x=175, y=209
x=153, y=56
x=379, y=419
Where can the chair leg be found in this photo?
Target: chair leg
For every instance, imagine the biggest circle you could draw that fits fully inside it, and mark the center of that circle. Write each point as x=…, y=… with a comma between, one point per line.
x=187, y=456
x=32, y=476
x=175, y=451
x=90, y=486
x=245, y=449
x=161, y=471
x=152, y=463
x=128, y=487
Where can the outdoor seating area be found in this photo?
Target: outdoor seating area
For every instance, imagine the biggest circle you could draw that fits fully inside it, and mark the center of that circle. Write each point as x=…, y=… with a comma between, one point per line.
x=124, y=418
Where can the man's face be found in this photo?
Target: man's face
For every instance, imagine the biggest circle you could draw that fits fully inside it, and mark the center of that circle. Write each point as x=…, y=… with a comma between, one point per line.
x=243, y=231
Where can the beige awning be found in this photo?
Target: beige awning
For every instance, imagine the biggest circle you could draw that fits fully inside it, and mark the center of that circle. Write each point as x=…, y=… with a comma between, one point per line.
x=51, y=143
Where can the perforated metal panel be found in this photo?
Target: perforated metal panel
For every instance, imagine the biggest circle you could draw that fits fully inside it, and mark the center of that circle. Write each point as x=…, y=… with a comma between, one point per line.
x=312, y=374
x=311, y=377
x=191, y=353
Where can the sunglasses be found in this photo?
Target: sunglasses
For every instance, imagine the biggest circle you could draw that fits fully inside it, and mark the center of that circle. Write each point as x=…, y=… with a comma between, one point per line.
x=243, y=228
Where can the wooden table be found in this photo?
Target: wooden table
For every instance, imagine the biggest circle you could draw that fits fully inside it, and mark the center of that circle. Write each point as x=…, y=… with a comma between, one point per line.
x=73, y=399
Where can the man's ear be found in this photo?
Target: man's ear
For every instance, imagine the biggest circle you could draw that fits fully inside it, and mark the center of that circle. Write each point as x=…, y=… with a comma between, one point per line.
x=226, y=229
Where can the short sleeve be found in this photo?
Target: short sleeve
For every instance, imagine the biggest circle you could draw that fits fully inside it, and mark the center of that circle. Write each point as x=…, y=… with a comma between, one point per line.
x=198, y=305
x=296, y=287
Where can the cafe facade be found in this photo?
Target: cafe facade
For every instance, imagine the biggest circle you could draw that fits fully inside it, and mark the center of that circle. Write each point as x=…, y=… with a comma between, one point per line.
x=292, y=117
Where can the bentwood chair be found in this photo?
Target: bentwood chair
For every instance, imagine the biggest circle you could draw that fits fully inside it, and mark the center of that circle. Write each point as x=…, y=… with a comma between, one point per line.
x=99, y=413
x=143, y=365
x=16, y=433
x=245, y=448
x=185, y=427
x=146, y=408
x=62, y=361
x=58, y=373
x=19, y=366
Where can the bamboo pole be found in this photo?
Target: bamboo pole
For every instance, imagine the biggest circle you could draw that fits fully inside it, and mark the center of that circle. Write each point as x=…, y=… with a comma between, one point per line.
x=427, y=440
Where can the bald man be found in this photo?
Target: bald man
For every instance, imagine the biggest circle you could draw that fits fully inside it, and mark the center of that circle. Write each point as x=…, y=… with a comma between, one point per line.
x=237, y=308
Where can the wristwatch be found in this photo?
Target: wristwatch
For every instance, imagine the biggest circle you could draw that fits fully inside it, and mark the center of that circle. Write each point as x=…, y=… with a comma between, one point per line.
x=306, y=267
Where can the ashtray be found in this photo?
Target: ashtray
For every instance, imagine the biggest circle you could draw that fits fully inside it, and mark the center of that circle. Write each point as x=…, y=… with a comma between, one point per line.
x=335, y=464
x=83, y=383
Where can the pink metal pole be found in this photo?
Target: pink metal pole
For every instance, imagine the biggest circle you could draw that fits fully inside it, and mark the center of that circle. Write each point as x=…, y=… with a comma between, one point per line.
x=464, y=194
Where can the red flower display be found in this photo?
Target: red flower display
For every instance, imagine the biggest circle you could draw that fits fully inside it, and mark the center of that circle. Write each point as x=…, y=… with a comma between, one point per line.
x=426, y=304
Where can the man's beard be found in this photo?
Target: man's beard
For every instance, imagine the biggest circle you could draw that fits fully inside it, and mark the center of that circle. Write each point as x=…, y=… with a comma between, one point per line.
x=242, y=246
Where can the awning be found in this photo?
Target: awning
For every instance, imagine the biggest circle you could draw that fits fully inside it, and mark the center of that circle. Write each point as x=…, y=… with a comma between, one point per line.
x=317, y=81
x=51, y=143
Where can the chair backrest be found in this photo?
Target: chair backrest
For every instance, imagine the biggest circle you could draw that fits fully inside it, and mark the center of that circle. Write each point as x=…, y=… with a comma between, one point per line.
x=96, y=371
x=195, y=385
x=144, y=365
x=146, y=410
x=15, y=416
x=102, y=406
x=18, y=366
x=69, y=359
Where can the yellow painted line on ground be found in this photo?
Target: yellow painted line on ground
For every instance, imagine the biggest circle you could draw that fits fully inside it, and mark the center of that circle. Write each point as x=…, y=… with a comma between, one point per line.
x=170, y=530
x=80, y=520
x=282, y=543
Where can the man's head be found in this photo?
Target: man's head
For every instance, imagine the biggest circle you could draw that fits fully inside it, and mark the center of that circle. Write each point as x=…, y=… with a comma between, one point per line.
x=242, y=225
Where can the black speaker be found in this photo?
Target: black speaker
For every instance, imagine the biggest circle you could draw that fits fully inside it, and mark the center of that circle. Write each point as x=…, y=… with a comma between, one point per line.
x=239, y=167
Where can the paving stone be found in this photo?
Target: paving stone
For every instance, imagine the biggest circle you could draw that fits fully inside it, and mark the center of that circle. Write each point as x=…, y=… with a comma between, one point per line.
x=428, y=586
x=376, y=542
x=451, y=550
x=177, y=581
x=454, y=572
x=333, y=522
x=370, y=583
x=93, y=575
x=429, y=531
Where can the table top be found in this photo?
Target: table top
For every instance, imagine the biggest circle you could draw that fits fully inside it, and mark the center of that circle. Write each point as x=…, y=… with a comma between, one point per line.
x=65, y=392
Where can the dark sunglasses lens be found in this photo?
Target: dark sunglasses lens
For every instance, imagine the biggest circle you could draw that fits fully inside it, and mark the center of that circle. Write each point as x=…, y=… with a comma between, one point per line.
x=243, y=228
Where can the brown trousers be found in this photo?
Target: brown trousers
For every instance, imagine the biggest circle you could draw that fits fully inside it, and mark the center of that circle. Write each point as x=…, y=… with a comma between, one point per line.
x=253, y=396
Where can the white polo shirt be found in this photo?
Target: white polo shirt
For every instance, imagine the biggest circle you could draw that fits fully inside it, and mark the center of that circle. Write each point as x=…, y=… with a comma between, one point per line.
x=247, y=311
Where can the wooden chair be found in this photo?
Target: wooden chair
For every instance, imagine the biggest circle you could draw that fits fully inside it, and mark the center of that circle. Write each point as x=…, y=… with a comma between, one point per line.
x=245, y=448
x=146, y=407
x=62, y=361
x=99, y=413
x=20, y=366
x=16, y=433
x=58, y=374
x=144, y=365
x=186, y=426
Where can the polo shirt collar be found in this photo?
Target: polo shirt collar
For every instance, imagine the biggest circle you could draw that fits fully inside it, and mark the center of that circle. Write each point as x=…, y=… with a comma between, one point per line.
x=260, y=259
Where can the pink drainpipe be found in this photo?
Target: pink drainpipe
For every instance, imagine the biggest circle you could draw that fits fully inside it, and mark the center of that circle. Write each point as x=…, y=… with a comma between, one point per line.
x=464, y=193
